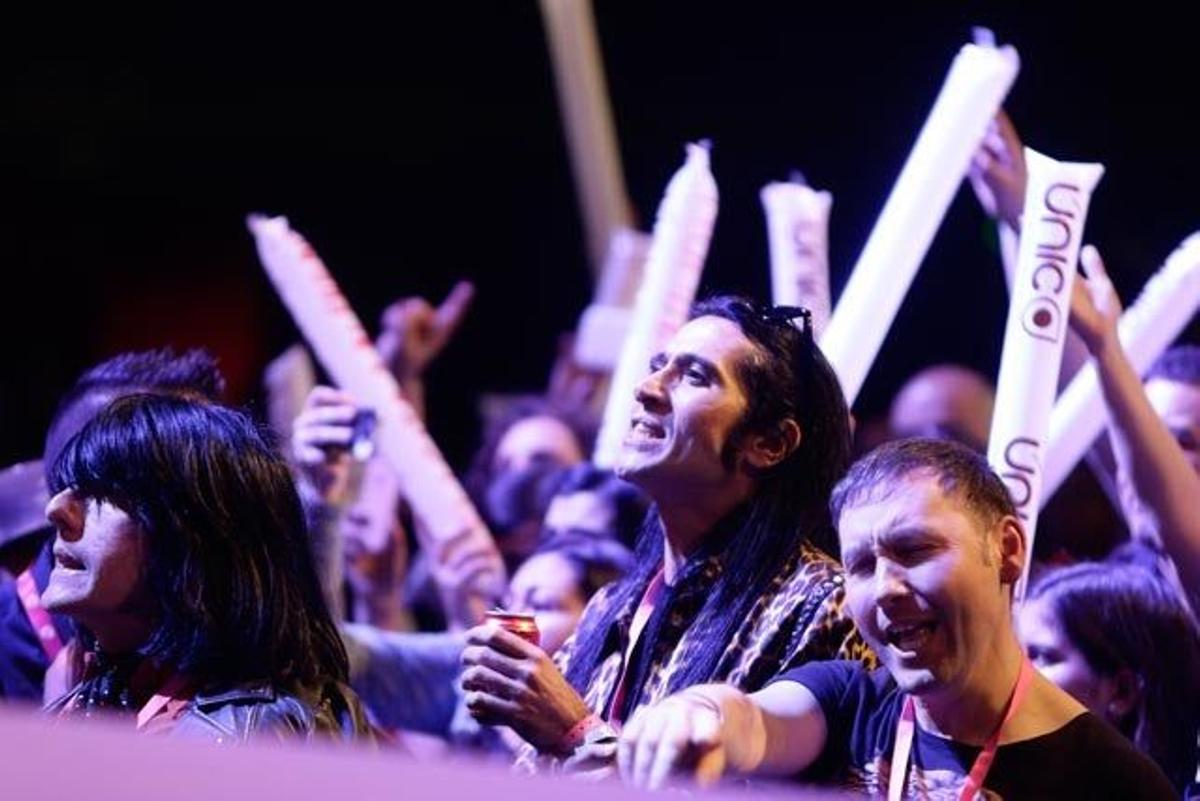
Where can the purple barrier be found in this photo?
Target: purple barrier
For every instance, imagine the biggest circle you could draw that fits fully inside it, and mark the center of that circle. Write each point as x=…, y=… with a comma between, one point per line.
x=101, y=760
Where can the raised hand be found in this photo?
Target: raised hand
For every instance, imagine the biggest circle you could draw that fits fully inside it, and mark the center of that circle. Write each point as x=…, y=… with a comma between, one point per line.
x=998, y=174
x=413, y=333
x=1095, y=307
x=321, y=437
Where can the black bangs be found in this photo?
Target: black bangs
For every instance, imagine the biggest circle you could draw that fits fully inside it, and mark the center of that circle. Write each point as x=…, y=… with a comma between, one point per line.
x=229, y=561
x=104, y=459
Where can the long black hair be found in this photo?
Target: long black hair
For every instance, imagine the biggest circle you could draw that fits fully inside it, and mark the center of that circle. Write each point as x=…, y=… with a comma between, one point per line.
x=235, y=593
x=787, y=377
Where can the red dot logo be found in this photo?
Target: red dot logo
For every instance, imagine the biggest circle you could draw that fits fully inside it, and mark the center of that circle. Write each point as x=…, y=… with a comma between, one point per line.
x=1042, y=319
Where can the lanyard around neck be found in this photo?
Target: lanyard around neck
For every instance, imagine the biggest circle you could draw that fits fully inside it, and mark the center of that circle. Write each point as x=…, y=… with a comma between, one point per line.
x=641, y=617
x=39, y=618
x=906, y=728
x=171, y=696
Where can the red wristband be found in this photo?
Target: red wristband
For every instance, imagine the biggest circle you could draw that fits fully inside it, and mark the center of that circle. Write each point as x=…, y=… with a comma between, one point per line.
x=575, y=735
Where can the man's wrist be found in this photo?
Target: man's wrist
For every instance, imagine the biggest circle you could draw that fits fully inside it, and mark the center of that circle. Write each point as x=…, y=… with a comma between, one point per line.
x=740, y=720
x=578, y=733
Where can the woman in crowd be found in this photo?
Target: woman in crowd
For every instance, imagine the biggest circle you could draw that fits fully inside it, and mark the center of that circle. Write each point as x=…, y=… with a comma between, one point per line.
x=1127, y=647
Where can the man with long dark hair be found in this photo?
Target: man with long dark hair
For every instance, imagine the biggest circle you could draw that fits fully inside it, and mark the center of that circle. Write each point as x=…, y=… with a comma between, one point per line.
x=182, y=555
x=739, y=433
x=30, y=637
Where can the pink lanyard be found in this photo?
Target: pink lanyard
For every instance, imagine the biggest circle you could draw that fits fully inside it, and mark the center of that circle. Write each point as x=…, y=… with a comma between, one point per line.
x=983, y=762
x=39, y=618
x=640, y=618
x=173, y=694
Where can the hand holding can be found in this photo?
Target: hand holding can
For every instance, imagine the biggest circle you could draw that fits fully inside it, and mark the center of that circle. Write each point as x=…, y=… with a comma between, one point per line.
x=520, y=624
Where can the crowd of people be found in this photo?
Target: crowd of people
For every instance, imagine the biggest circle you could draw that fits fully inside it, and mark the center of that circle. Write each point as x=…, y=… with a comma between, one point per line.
x=755, y=588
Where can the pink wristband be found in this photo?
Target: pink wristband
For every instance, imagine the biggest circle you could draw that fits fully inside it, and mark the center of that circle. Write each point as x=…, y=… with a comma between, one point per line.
x=575, y=735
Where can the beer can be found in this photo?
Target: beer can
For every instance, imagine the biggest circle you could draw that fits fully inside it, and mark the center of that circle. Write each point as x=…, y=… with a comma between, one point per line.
x=522, y=625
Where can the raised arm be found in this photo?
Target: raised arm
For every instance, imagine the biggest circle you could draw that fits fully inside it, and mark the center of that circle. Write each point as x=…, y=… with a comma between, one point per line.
x=1148, y=457
x=413, y=333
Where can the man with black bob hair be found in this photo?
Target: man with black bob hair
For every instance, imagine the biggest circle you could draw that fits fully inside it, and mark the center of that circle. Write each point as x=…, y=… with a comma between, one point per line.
x=182, y=555
x=28, y=648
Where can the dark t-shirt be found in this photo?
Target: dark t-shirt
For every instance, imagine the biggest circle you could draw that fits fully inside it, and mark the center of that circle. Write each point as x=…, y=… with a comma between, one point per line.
x=1084, y=759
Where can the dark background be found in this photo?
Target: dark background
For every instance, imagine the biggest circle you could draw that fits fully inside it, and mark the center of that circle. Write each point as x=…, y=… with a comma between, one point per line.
x=423, y=144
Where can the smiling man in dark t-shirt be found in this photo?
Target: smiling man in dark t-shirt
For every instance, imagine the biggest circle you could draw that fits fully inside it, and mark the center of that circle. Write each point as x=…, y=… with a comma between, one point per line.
x=932, y=550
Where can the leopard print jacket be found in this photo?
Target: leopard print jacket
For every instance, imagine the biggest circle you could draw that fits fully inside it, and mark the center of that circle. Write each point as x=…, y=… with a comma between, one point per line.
x=800, y=618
